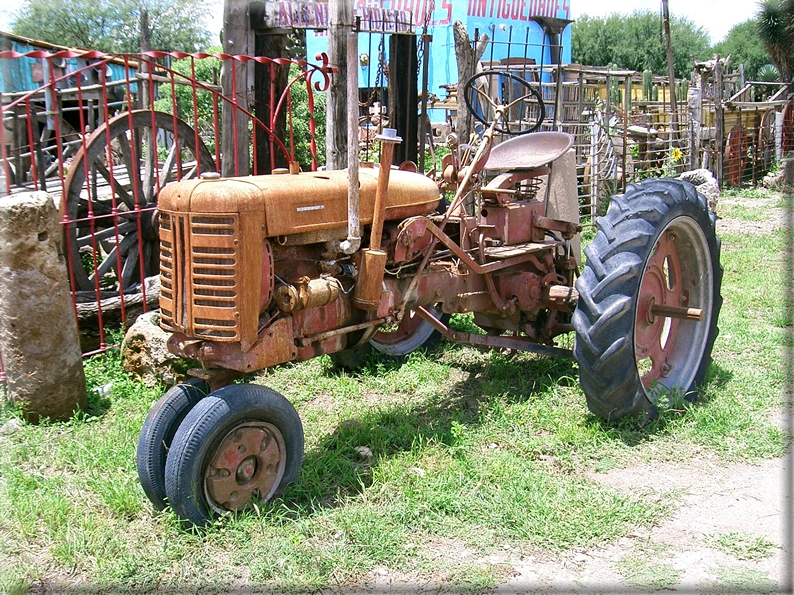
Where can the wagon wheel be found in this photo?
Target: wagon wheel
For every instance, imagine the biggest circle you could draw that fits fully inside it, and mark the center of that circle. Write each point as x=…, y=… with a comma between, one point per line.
x=788, y=128
x=523, y=108
x=113, y=210
x=736, y=155
x=650, y=298
x=766, y=138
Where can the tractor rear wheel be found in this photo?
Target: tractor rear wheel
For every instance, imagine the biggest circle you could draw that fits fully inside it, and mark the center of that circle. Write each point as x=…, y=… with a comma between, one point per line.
x=652, y=270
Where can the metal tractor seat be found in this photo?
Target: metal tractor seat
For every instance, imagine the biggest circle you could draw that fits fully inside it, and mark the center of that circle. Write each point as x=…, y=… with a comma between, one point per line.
x=529, y=152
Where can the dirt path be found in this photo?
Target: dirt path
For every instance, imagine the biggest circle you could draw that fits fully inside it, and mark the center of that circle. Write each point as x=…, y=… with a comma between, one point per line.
x=709, y=500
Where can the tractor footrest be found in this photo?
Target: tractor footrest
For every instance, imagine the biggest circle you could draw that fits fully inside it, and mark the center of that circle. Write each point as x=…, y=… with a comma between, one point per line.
x=503, y=252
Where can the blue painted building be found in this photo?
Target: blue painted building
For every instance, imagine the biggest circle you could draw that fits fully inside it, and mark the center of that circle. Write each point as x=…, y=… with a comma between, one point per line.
x=515, y=28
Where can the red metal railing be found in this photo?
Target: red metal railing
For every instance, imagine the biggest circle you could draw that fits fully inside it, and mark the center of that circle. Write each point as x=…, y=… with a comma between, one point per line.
x=103, y=134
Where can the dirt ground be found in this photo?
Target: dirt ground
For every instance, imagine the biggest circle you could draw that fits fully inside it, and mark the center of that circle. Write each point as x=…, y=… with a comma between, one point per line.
x=710, y=500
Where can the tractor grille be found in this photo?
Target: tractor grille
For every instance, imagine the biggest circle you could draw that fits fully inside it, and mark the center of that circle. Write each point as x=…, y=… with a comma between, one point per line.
x=199, y=275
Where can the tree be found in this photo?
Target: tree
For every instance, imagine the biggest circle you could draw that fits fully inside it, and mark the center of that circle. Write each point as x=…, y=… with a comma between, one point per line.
x=775, y=24
x=743, y=45
x=113, y=25
x=636, y=42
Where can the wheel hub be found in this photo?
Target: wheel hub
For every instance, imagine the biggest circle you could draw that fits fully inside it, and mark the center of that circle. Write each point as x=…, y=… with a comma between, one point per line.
x=662, y=284
x=249, y=462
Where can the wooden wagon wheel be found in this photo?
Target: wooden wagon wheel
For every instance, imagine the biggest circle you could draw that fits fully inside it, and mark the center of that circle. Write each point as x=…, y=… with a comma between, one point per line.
x=112, y=189
x=766, y=138
x=735, y=155
x=788, y=128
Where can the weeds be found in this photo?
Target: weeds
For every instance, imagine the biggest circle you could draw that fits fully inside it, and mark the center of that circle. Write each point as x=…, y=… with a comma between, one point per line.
x=744, y=546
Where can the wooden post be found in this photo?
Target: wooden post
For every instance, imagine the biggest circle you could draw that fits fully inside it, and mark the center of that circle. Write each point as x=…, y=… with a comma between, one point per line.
x=340, y=22
x=270, y=82
x=38, y=332
x=670, y=66
x=719, y=124
x=234, y=123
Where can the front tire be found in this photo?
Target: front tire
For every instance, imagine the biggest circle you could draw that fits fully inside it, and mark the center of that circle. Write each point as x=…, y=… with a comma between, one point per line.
x=158, y=432
x=242, y=442
x=655, y=246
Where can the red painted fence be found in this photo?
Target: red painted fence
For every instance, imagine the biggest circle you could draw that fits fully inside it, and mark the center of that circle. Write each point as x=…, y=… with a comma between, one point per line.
x=103, y=134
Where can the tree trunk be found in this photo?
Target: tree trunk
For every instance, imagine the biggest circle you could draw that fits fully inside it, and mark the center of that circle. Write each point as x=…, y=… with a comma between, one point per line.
x=234, y=123
x=340, y=21
x=270, y=81
x=467, y=59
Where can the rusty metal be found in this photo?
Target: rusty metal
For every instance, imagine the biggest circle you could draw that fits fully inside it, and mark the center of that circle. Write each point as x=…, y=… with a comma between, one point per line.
x=529, y=151
x=388, y=139
x=249, y=462
x=490, y=341
x=680, y=313
x=308, y=340
x=567, y=229
x=370, y=279
x=307, y=293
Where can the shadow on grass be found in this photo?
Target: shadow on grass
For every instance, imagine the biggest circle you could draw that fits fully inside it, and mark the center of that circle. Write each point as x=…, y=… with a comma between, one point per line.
x=333, y=470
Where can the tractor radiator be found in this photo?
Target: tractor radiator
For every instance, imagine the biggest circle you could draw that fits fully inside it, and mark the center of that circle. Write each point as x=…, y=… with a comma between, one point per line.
x=200, y=275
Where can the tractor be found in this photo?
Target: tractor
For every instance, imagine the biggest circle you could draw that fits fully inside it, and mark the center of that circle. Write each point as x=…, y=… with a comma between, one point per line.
x=262, y=270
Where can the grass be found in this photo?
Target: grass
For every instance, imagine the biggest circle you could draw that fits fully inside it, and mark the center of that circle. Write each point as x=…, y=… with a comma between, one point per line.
x=472, y=451
x=739, y=580
x=744, y=546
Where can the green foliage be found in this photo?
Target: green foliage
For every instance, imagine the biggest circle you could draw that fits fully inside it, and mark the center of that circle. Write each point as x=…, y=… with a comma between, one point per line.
x=775, y=26
x=636, y=42
x=744, y=46
x=206, y=71
x=299, y=96
x=114, y=25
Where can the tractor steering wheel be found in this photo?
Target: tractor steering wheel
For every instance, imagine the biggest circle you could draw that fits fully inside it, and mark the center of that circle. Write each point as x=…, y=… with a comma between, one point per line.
x=522, y=108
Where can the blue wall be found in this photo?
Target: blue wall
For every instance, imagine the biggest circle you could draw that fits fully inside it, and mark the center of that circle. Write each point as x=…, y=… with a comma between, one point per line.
x=504, y=21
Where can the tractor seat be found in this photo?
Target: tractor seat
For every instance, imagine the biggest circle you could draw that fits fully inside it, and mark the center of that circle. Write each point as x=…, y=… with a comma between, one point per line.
x=528, y=152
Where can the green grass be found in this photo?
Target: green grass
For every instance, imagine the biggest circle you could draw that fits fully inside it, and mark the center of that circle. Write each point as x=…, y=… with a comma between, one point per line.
x=739, y=580
x=744, y=546
x=472, y=451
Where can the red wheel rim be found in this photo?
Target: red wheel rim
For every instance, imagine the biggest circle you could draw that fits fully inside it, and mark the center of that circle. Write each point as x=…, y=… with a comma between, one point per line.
x=678, y=274
x=662, y=284
x=249, y=462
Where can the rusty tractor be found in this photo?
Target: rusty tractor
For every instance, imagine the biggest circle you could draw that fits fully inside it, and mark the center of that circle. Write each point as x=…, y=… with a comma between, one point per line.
x=262, y=270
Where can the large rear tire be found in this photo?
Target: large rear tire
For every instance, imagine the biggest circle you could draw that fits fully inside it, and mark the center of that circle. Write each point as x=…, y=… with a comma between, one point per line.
x=656, y=246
